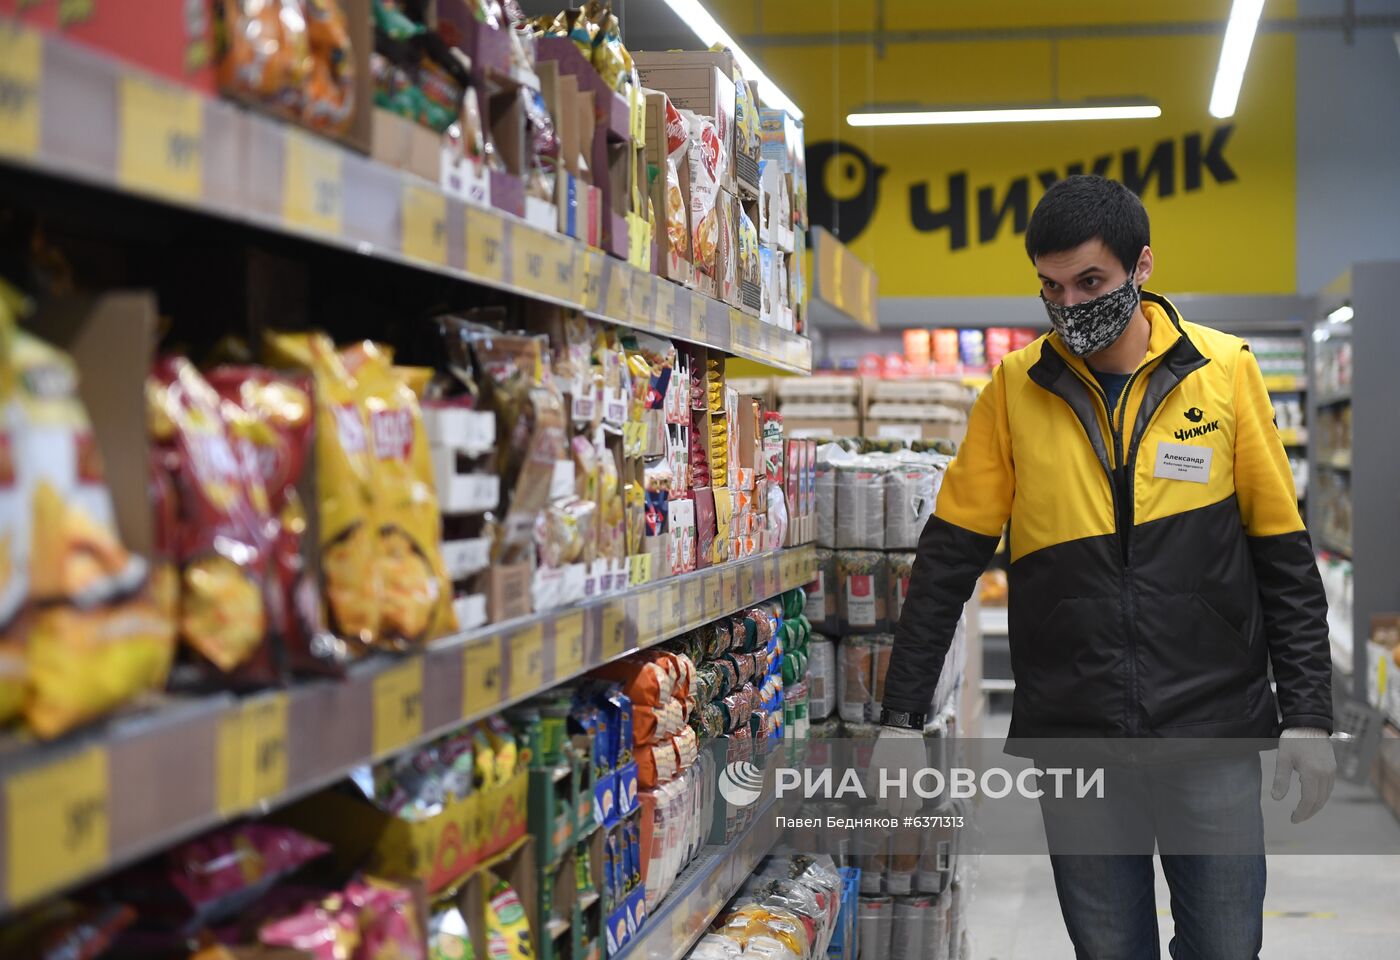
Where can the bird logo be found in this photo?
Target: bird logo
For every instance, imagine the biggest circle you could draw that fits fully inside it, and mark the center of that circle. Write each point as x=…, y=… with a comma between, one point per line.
x=741, y=783
x=843, y=188
x=1195, y=414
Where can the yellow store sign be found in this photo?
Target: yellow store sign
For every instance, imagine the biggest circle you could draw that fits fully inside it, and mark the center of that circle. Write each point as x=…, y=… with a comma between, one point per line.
x=942, y=210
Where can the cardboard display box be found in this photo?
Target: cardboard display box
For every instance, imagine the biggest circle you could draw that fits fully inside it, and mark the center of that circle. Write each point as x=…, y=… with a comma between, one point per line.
x=400, y=143
x=822, y=429
x=905, y=430
x=702, y=81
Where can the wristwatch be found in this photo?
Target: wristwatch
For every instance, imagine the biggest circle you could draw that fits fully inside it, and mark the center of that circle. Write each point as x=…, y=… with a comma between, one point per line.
x=899, y=718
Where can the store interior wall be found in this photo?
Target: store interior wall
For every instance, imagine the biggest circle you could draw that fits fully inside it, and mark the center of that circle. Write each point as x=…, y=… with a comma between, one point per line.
x=1348, y=133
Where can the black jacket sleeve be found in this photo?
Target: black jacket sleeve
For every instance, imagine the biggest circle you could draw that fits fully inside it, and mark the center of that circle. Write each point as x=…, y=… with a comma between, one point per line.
x=946, y=568
x=1295, y=623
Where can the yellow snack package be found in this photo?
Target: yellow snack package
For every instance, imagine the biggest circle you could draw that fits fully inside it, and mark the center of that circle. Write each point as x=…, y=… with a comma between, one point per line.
x=415, y=603
x=345, y=526
x=13, y=565
x=91, y=637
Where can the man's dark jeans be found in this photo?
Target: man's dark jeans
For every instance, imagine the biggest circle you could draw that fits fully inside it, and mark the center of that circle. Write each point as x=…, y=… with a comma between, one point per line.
x=1204, y=819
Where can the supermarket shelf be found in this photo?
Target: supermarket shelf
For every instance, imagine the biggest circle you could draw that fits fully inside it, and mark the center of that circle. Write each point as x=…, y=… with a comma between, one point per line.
x=994, y=622
x=557, y=927
x=1332, y=399
x=1294, y=436
x=89, y=118
x=1335, y=461
x=1285, y=383
x=587, y=899
x=702, y=890
x=111, y=794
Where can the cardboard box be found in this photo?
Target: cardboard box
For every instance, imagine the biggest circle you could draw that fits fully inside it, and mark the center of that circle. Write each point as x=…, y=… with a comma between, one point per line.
x=904, y=430
x=487, y=46
x=437, y=852
x=517, y=867
x=404, y=145
x=508, y=591
x=700, y=81
x=822, y=429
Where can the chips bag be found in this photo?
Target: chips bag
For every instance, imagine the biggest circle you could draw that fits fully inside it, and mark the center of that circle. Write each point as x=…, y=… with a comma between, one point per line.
x=415, y=595
x=344, y=490
x=225, y=527
x=282, y=403
x=89, y=636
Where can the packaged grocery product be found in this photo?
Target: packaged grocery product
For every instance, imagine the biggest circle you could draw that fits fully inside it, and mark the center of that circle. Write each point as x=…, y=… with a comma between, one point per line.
x=283, y=404
x=226, y=531
x=233, y=865
x=748, y=249
x=909, y=503
x=387, y=921
x=825, y=478
x=323, y=932
x=854, y=678
x=708, y=166
x=508, y=935
x=882, y=648
x=901, y=568
x=80, y=635
x=448, y=936
x=329, y=98
x=821, y=678
x=415, y=595
x=863, y=584
x=65, y=930
x=348, y=539
x=860, y=504
x=265, y=52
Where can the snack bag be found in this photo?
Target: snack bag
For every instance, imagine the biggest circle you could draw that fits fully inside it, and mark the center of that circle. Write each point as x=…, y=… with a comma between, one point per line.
x=388, y=923
x=348, y=543
x=415, y=595
x=90, y=637
x=14, y=560
x=330, y=89
x=226, y=530
x=707, y=168
x=265, y=51
x=283, y=404
x=677, y=227
x=507, y=927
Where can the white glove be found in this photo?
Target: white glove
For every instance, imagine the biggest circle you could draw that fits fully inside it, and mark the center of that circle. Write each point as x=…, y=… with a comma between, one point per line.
x=1309, y=751
x=897, y=749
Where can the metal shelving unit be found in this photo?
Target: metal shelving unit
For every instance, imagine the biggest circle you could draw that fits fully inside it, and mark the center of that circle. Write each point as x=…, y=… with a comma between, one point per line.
x=85, y=117
x=110, y=794
x=1370, y=469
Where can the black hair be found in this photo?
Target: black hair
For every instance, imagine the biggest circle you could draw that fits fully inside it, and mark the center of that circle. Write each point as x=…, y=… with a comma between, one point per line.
x=1081, y=208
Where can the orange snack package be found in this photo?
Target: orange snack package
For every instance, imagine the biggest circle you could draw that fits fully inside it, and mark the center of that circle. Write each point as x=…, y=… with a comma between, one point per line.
x=346, y=536
x=415, y=594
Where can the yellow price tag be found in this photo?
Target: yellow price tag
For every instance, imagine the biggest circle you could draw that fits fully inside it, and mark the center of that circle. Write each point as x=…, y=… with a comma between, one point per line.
x=713, y=594
x=21, y=66
x=648, y=617
x=568, y=646
x=644, y=571
x=672, y=608
x=589, y=280
x=663, y=315
x=58, y=823
x=643, y=299
x=614, y=629
x=730, y=580
x=252, y=753
x=526, y=661
x=618, y=306
x=313, y=195
x=772, y=578
x=542, y=263
x=424, y=216
x=162, y=139
x=486, y=245
x=694, y=593
x=481, y=677
x=398, y=706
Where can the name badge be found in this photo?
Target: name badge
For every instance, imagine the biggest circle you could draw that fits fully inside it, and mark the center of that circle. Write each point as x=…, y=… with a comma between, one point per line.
x=1180, y=461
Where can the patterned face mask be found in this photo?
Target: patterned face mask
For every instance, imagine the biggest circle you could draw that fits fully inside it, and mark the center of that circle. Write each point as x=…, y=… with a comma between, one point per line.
x=1091, y=326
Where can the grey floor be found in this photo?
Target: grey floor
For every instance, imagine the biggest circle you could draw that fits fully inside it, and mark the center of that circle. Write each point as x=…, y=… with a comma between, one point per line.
x=1316, y=908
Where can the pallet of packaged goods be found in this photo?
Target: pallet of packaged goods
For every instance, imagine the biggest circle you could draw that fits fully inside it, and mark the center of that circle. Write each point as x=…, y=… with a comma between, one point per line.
x=820, y=407
x=914, y=409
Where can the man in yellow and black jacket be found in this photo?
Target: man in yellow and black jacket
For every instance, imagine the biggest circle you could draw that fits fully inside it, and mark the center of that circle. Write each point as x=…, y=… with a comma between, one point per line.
x=1159, y=565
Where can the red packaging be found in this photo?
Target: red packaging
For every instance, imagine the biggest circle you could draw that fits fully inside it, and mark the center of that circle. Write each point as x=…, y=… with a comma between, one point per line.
x=998, y=345
x=388, y=926
x=173, y=38
x=322, y=933
x=232, y=860
x=283, y=402
x=226, y=528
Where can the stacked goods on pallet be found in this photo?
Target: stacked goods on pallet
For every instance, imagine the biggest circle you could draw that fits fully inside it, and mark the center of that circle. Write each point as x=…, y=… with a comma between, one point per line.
x=820, y=407
x=916, y=409
x=871, y=508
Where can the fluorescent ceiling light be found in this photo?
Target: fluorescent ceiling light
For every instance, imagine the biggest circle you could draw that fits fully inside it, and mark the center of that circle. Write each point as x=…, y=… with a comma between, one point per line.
x=707, y=28
x=1342, y=314
x=910, y=118
x=1234, y=56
